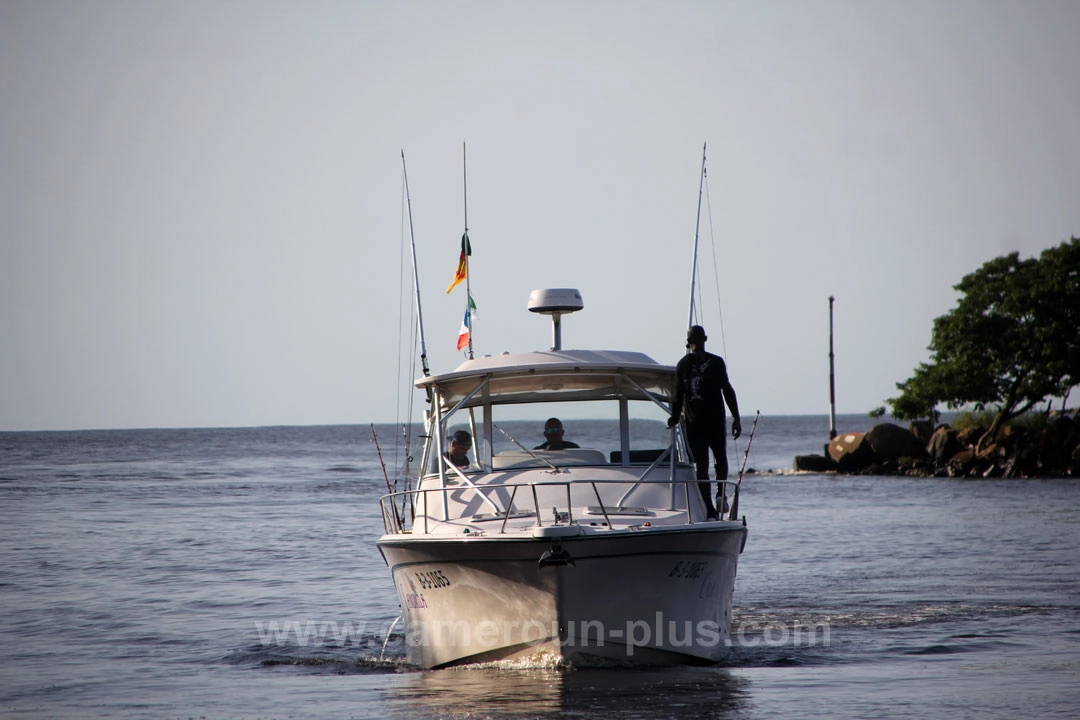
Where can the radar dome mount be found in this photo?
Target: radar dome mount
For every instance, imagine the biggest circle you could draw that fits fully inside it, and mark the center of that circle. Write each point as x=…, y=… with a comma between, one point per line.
x=555, y=302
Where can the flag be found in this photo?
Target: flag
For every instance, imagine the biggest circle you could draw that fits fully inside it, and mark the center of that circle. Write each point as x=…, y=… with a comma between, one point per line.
x=462, y=264
x=463, y=336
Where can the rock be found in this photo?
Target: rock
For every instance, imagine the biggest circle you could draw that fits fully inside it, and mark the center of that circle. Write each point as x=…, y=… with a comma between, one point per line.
x=917, y=468
x=960, y=463
x=1073, y=440
x=1011, y=467
x=1016, y=451
x=851, y=452
x=843, y=444
x=1060, y=433
x=894, y=442
x=1012, y=439
x=943, y=445
x=922, y=429
x=1011, y=433
x=970, y=435
x=1024, y=461
x=813, y=463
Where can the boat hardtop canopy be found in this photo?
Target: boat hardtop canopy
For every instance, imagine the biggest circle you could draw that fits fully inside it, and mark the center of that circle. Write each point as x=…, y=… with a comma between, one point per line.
x=548, y=375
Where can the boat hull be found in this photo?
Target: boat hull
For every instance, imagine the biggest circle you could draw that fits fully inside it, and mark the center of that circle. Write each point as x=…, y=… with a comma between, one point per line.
x=644, y=596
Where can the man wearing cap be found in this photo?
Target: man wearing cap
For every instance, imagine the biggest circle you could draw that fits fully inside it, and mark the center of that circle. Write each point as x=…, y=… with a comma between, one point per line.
x=460, y=442
x=701, y=388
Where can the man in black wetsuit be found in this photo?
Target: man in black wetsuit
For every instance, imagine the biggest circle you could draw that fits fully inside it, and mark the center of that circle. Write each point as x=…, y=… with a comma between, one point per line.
x=701, y=388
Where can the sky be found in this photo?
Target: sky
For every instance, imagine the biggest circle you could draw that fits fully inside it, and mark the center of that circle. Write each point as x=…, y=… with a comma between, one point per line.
x=202, y=216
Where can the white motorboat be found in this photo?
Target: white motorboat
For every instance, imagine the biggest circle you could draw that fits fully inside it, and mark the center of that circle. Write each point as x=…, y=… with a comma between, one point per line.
x=591, y=555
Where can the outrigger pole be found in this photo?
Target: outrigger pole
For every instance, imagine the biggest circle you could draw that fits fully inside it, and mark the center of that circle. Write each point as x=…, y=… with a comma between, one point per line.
x=697, y=228
x=415, y=273
x=420, y=327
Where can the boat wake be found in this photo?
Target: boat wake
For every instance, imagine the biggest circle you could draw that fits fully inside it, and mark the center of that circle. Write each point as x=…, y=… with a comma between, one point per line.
x=343, y=660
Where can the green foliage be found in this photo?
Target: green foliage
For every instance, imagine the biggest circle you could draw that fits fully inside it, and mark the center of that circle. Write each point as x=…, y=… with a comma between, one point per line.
x=1031, y=421
x=984, y=418
x=877, y=412
x=1011, y=341
x=971, y=418
x=1057, y=310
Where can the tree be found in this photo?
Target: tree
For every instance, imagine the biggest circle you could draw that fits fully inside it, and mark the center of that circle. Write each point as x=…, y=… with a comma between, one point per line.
x=1011, y=341
x=1057, y=306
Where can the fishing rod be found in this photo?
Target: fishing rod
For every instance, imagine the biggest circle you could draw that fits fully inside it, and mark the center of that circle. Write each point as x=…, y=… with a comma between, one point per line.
x=749, y=442
x=386, y=475
x=408, y=461
x=746, y=454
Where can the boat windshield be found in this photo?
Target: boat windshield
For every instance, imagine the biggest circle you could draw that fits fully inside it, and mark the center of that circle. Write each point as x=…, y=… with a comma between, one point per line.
x=595, y=426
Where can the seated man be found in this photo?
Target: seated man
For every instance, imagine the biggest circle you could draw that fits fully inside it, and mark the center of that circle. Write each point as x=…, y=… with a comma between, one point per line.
x=460, y=443
x=553, y=431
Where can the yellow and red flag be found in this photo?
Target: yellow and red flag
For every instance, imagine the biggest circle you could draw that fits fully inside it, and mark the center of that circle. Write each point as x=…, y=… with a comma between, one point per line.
x=463, y=263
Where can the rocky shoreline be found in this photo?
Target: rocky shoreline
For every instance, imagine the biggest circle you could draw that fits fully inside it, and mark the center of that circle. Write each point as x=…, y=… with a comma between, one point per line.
x=921, y=450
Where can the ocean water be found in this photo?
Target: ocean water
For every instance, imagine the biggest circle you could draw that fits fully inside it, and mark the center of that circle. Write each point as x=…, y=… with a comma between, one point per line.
x=232, y=573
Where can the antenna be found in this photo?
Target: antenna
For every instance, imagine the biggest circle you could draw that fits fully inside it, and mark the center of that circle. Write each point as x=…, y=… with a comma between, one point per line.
x=832, y=375
x=697, y=228
x=467, y=247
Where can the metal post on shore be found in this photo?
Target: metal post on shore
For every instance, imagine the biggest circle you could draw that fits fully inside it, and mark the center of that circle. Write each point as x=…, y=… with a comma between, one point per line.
x=832, y=375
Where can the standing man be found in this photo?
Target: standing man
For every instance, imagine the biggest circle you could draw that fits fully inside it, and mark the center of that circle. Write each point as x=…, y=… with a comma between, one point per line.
x=701, y=388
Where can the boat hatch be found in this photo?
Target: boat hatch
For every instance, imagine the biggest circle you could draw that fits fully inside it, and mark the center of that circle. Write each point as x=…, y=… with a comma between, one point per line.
x=499, y=516
x=597, y=510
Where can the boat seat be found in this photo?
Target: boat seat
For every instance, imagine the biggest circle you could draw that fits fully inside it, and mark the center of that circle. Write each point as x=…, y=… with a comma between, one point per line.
x=509, y=459
x=638, y=456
